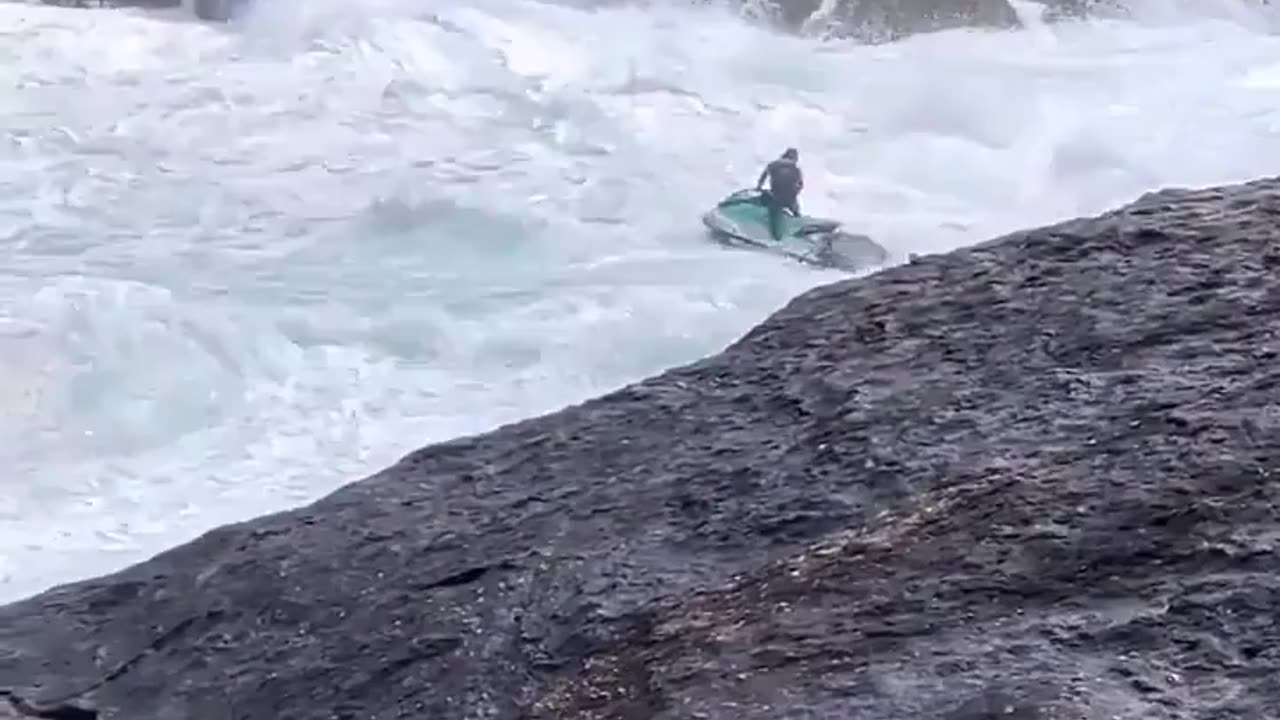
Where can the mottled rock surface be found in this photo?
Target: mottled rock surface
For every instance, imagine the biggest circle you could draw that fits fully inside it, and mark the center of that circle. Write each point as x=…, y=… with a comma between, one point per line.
x=1033, y=479
x=154, y=4
x=876, y=20
x=1066, y=9
x=883, y=20
x=865, y=20
x=889, y=20
x=219, y=10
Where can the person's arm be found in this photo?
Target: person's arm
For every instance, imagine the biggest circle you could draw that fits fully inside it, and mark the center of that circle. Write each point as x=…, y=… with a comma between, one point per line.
x=763, y=174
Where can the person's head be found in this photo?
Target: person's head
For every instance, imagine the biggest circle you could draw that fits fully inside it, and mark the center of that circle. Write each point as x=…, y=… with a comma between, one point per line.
x=791, y=154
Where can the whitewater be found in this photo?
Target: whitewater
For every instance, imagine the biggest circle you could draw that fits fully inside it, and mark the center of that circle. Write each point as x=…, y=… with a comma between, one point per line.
x=241, y=266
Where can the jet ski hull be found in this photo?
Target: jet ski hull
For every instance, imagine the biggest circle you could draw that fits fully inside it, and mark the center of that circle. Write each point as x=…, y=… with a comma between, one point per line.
x=742, y=220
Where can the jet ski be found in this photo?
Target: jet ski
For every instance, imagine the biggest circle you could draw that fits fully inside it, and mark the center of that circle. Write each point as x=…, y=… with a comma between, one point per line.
x=742, y=220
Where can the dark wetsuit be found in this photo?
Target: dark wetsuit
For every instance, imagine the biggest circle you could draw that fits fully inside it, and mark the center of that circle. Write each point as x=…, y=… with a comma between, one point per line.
x=785, y=183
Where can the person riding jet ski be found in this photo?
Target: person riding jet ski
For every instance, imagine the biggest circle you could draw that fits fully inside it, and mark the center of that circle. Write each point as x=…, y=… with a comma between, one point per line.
x=785, y=183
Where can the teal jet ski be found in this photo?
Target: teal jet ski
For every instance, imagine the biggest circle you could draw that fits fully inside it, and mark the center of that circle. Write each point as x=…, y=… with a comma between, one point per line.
x=742, y=220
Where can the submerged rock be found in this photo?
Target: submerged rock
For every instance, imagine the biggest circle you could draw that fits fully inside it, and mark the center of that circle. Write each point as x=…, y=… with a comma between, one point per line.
x=1036, y=478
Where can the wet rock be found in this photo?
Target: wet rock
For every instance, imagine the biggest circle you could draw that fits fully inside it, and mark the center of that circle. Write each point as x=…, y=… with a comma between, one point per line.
x=13, y=707
x=883, y=20
x=1032, y=479
x=889, y=20
x=153, y=4
x=864, y=20
x=215, y=10
x=1074, y=9
x=219, y=10
x=1059, y=10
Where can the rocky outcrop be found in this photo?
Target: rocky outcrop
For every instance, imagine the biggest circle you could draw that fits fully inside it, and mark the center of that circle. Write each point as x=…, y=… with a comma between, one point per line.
x=865, y=20
x=216, y=10
x=888, y=20
x=219, y=10
x=1037, y=478
x=152, y=4
x=882, y=20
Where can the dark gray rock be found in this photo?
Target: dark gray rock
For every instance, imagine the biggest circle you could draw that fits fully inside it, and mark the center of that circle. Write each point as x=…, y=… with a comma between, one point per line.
x=864, y=20
x=1032, y=479
x=1075, y=9
x=151, y=4
x=884, y=20
x=215, y=10
x=219, y=10
x=1060, y=10
x=889, y=20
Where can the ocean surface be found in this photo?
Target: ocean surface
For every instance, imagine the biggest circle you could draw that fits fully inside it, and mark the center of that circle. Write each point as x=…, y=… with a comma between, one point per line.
x=241, y=266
